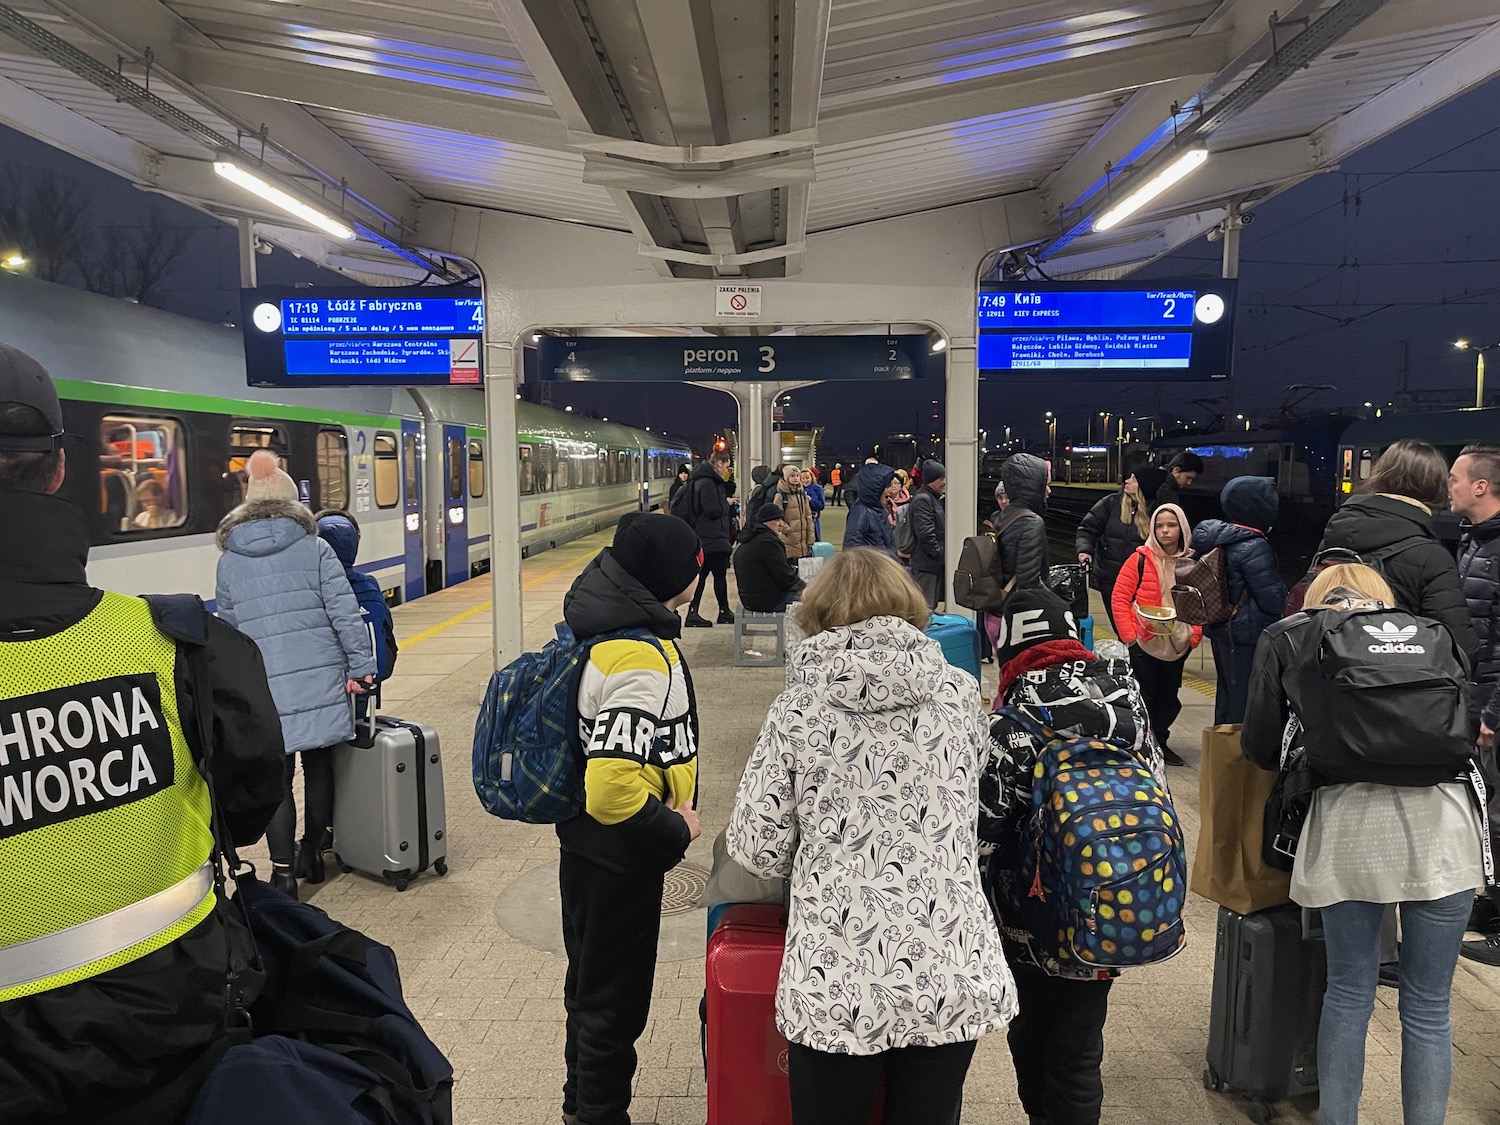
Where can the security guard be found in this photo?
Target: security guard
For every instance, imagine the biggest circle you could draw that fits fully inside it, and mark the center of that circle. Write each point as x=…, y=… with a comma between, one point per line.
x=114, y=947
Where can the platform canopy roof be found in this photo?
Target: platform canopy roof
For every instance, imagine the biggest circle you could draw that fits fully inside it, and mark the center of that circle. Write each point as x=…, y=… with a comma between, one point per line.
x=724, y=135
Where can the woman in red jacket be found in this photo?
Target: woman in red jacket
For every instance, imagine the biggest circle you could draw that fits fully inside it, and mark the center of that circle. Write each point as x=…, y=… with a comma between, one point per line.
x=1146, y=621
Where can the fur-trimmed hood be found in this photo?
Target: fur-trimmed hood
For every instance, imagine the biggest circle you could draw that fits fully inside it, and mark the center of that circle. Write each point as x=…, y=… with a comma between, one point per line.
x=280, y=524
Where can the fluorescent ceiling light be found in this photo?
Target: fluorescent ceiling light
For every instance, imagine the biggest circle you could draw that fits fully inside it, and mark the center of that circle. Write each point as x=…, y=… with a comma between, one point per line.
x=287, y=202
x=1189, y=161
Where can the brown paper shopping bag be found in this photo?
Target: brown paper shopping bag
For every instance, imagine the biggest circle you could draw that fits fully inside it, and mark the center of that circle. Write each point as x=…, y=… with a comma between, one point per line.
x=1228, y=868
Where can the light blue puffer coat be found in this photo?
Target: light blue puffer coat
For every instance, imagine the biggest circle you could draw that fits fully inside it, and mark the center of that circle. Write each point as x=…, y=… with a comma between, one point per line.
x=285, y=588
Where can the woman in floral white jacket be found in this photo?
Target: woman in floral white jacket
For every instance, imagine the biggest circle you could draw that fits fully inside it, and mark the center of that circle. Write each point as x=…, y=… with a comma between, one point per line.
x=864, y=790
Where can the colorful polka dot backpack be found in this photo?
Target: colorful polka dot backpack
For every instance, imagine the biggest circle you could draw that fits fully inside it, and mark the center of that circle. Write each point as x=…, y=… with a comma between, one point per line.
x=1107, y=871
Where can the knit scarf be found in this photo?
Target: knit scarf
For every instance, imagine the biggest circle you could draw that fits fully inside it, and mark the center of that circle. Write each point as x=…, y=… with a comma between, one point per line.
x=1039, y=656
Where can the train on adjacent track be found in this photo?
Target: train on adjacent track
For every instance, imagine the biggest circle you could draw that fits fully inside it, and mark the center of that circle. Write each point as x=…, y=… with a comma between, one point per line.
x=161, y=421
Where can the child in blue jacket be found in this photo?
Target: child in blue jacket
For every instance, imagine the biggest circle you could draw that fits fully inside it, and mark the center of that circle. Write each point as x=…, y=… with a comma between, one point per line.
x=340, y=531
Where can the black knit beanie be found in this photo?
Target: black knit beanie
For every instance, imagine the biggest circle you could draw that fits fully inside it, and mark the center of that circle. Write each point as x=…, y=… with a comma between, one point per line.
x=662, y=553
x=1032, y=616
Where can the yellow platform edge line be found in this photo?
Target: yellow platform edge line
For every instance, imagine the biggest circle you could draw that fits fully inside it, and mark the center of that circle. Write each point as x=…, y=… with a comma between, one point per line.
x=473, y=611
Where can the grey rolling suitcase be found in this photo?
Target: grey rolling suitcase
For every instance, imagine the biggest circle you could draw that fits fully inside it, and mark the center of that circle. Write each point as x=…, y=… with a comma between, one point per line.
x=1270, y=970
x=389, y=818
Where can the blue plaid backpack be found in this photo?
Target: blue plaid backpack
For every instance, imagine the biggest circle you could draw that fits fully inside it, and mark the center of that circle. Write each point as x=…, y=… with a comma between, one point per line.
x=528, y=757
x=1107, y=872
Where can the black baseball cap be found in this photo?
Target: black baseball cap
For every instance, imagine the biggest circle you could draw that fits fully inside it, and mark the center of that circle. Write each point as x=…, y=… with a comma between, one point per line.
x=25, y=382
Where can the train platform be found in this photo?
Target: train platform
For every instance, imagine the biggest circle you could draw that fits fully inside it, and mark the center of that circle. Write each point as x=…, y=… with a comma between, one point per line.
x=481, y=951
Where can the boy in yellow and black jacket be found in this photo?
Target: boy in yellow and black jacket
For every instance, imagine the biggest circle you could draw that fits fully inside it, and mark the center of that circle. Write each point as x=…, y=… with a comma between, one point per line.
x=639, y=728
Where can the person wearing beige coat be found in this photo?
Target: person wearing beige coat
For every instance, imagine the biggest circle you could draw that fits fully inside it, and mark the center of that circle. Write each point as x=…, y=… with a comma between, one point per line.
x=799, y=536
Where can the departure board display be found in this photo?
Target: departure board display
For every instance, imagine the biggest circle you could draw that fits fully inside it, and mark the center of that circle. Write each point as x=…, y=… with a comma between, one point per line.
x=363, y=337
x=1168, y=330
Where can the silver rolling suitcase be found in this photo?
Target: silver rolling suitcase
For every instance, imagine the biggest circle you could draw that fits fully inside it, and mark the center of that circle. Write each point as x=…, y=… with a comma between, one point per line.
x=389, y=818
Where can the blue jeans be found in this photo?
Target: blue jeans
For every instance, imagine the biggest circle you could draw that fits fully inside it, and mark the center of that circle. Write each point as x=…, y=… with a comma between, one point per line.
x=1431, y=935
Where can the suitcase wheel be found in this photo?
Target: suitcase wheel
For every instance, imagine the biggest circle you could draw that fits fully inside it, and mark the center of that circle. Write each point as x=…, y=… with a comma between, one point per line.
x=440, y=866
x=402, y=883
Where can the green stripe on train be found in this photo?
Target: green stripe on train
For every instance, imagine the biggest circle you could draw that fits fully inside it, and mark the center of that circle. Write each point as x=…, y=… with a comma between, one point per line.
x=113, y=394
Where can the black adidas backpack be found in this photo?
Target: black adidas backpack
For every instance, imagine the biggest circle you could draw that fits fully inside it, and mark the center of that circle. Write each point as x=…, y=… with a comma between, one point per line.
x=1385, y=699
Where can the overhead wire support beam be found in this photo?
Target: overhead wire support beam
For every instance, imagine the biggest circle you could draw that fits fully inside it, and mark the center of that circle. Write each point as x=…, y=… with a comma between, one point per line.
x=1321, y=33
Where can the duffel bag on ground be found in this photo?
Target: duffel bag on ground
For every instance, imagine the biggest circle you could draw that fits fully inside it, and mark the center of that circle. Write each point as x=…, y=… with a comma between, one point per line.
x=338, y=990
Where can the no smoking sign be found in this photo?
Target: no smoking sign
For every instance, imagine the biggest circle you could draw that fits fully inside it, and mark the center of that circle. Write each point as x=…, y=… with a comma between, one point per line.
x=737, y=302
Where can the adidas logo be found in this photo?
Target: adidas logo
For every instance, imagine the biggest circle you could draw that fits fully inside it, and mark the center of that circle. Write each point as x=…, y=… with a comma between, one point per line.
x=1393, y=638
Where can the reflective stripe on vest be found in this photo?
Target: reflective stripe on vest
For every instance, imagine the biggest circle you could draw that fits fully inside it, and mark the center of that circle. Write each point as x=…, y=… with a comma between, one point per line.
x=104, y=817
x=104, y=937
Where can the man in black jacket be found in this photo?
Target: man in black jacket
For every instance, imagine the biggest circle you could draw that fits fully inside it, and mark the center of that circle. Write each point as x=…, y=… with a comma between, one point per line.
x=929, y=525
x=91, y=1026
x=1474, y=494
x=704, y=504
x=766, y=578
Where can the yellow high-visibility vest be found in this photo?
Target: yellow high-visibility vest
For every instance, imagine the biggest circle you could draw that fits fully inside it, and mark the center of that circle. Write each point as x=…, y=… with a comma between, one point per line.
x=104, y=818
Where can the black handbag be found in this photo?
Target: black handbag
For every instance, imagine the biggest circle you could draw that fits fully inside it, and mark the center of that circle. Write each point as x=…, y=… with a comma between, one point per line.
x=1291, y=798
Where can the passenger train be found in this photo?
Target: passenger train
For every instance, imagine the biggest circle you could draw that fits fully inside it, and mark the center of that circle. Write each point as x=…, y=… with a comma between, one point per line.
x=161, y=421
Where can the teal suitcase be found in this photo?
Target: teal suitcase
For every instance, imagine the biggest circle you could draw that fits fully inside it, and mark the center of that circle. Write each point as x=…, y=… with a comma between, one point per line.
x=959, y=640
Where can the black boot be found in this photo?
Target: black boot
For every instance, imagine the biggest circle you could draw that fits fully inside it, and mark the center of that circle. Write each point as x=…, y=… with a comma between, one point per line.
x=696, y=621
x=726, y=617
x=283, y=880
x=309, y=862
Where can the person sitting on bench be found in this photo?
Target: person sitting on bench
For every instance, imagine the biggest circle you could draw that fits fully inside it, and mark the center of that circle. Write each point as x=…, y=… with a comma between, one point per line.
x=766, y=578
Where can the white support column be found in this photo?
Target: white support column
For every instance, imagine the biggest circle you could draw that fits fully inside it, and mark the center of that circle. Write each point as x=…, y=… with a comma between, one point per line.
x=962, y=455
x=247, y=253
x=503, y=374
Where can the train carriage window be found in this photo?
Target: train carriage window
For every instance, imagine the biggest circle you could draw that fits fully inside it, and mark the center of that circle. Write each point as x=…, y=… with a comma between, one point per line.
x=562, y=476
x=524, y=460
x=387, y=470
x=476, y=469
x=245, y=438
x=142, y=473
x=411, y=453
x=588, y=470
x=333, y=468
x=546, y=463
x=456, y=470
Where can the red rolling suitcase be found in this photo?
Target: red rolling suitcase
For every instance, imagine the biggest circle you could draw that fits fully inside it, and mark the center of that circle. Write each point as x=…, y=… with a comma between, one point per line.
x=747, y=1056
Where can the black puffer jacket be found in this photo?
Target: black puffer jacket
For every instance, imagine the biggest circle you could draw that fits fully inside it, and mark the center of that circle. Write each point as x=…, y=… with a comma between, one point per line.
x=762, y=571
x=704, y=503
x=868, y=525
x=1479, y=570
x=1023, y=544
x=1110, y=541
x=1422, y=574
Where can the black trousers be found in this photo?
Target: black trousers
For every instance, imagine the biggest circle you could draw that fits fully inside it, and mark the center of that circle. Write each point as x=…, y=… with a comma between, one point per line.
x=1057, y=1045
x=838, y=495
x=1232, y=664
x=1161, y=686
x=716, y=564
x=611, y=924
x=923, y=1085
x=317, y=811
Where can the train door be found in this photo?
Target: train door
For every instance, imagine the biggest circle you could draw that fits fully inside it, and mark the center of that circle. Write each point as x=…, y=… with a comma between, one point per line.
x=455, y=505
x=411, y=476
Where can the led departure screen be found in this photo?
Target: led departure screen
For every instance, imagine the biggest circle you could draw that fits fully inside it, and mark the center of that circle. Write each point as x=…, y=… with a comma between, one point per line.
x=1156, y=330
x=354, y=337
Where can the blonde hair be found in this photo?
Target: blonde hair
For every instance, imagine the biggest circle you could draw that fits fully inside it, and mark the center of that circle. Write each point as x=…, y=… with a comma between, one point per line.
x=1334, y=583
x=856, y=585
x=1134, y=511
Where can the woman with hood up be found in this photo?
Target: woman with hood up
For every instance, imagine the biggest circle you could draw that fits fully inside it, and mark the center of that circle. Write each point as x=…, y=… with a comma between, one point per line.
x=1022, y=545
x=1146, y=621
x=863, y=790
x=1114, y=528
x=284, y=587
x=1255, y=586
x=868, y=524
